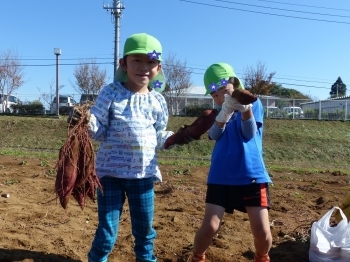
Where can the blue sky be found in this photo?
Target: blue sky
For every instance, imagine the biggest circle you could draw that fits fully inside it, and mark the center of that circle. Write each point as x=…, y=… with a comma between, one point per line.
x=307, y=54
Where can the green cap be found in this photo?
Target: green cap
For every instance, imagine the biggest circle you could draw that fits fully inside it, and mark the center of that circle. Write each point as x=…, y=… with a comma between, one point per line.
x=217, y=75
x=143, y=43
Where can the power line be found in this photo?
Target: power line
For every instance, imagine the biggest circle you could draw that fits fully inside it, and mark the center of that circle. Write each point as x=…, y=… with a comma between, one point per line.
x=264, y=13
x=320, y=7
x=109, y=63
x=201, y=73
x=282, y=9
x=299, y=80
x=321, y=87
x=239, y=72
x=38, y=65
x=50, y=59
x=188, y=67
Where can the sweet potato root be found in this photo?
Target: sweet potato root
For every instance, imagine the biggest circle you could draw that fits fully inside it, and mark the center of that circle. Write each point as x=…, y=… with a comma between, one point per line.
x=244, y=97
x=76, y=174
x=67, y=170
x=193, y=131
x=79, y=195
x=86, y=164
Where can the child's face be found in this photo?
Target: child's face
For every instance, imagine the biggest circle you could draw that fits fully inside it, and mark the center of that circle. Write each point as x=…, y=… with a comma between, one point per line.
x=141, y=69
x=219, y=96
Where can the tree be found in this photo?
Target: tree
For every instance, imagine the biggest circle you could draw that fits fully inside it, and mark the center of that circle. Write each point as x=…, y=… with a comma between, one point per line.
x=280, y=91
x=178, y=82
x=338, y=89
x=257, y=81
x=89, y=78
x=11, y=75
x=48, y=97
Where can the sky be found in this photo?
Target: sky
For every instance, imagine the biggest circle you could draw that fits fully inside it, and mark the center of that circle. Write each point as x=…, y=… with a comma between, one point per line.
x=306, y=43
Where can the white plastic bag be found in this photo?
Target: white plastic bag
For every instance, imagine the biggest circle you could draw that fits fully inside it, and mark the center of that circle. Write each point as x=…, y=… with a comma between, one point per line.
x=345, y=244
x=329, y=243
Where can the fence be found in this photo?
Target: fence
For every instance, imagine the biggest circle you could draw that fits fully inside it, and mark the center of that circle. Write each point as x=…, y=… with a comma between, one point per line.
x=275, y=107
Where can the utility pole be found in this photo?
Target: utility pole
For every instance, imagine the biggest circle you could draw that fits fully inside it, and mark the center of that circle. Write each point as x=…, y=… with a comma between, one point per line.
x=116, y=11
x=57, y=52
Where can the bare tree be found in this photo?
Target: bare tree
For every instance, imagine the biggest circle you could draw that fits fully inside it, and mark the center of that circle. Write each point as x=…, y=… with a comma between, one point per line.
x=89, y=78
x=11, y=76
x=48, y=97
x=257, y=81
x=178, y=82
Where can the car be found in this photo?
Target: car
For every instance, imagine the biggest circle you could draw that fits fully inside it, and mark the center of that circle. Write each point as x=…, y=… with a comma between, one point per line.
x=66, y=102
x=7, y=107
x=272, y=111
x=289, y=111
x=87, y=97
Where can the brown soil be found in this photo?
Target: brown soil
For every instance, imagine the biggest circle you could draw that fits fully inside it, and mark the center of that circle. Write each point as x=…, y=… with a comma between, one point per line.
x=36, y=230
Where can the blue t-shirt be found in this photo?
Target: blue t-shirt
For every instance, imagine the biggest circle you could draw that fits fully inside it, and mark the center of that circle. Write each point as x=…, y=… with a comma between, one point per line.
x=236, y=160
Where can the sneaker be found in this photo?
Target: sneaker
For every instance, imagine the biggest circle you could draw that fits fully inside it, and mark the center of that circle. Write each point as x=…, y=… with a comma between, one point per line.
x=264, y=258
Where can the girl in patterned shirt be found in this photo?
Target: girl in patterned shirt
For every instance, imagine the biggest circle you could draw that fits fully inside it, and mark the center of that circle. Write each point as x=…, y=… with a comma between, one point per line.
x=128, y=120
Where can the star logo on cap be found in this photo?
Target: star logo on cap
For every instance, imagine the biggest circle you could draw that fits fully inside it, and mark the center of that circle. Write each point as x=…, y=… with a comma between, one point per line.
x=157, y=84
x=223, y=82
x=154, y=54
x=213, y=87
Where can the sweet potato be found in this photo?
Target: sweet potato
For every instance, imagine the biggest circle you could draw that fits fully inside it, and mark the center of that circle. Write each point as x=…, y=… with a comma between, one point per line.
x=76, y=174
x=86, y=164
x=67, y=170
x=79, y=195
x=244, y=97
x=194, y=130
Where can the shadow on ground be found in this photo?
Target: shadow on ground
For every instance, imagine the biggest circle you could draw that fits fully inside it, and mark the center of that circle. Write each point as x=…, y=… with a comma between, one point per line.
x=14, y=255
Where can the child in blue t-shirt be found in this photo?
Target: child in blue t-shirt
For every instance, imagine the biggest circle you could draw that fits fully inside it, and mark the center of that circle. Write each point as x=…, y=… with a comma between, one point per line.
x=237, y=178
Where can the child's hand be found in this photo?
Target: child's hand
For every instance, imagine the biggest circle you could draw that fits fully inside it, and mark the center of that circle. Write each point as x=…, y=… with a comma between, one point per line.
x=229, y=106
x=234, y=105
x=242, y=108
x=227, y=109
x=76, y=115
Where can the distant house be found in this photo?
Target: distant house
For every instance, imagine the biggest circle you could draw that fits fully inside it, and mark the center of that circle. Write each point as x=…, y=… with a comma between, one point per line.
x=335, y=108
x=176, y=105
x=268, y=101
x=329, y=105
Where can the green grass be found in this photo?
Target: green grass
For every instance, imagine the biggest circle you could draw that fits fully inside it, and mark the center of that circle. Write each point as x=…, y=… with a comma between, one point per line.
x=307, y=142
x=293, y=144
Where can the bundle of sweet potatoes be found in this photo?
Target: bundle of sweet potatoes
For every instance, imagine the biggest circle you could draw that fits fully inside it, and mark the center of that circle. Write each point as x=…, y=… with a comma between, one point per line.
x=76, y=175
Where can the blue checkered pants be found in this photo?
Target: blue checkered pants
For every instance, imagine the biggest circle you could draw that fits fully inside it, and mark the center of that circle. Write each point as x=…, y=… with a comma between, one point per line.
x=140, y=196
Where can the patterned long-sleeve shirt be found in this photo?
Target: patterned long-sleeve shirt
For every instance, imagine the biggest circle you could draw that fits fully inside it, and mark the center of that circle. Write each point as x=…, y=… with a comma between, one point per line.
x=129, y=127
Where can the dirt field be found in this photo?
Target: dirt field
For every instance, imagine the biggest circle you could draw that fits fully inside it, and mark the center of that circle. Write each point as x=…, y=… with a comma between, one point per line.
x=33, y=230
